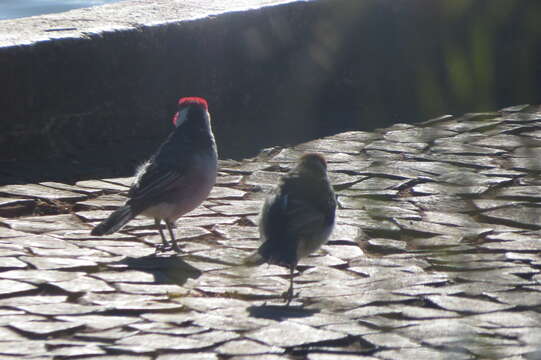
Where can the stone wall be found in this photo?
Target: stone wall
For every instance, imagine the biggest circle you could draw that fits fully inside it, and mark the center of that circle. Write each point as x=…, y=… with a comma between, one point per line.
x=94, y=89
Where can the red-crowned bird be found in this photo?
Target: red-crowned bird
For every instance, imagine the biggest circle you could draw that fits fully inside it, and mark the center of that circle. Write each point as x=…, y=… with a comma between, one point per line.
x=176, y=179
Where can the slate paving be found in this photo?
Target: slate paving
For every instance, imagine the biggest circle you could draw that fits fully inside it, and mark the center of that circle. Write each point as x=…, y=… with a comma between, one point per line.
x=436, y=255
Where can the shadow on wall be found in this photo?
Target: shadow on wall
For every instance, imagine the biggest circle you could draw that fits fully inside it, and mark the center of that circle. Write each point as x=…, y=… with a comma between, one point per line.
x=274, y=76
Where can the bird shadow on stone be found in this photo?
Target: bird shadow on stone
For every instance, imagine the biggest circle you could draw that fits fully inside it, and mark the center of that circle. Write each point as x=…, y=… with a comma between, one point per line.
x=165, y=269
x=280, y=312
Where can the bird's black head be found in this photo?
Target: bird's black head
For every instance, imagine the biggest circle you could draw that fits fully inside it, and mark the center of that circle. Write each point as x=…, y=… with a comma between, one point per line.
x=190, y=108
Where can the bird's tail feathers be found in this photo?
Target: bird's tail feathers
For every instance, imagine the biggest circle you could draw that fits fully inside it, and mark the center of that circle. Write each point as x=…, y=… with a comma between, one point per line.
x=272, y=254
x=115, y=221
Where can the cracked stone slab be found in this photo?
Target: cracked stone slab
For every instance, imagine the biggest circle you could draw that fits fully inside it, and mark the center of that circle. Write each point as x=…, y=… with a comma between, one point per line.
x=12, y=263
x=476, y=162
x=108, y=336
x=378, y=209
x=109, y=202
x=331, y=145
x=219, y=192
x=463, y=149
x=128, y=276
x=528, y=193
x=437, y=328
x=10, y=233
x=520, y=214
x=168, y=328
x=102, y=185
x=517, y=298
x=516, y=245
x=338, y=356
x=43, y=224
x=158, y=289
x=430, y=228
x=118, y=299
x=375, y=183
x=435, y=242
x=84, y=284
x=41, y=241
x=289, y=156
x=59, y=309
x=445, y=189
x=197, y=356
x=395, y=147
x=99, y=322
x=344, y=252
x=506, y=319
x=365, y=221
x=288, y=334
x=386, y=246
x=246, y=348
x=461, y=304
x=443, y=203
x=204, y=221
x=506, y=142
x=158, y=341
x=76, y=350
x=46, y=328
x=418, y=353
x=10, y=287
x=413, y=135
x=10, y=206
x=8, y=334
x=390, y=341
x=52, y=263
x=22, y=348
x=246, y=207
x=41, y=192
x=417, y=312
x=123, y=181
x=70, y=188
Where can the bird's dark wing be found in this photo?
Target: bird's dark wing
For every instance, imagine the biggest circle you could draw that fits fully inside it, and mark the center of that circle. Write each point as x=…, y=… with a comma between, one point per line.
x=165, y=170
x=289, y=217
x=154, y=181
x=154, y=185
x=278, y=245
x=304, y=218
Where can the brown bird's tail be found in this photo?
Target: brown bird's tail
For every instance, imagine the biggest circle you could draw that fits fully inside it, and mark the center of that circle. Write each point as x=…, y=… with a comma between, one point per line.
x=253, y=259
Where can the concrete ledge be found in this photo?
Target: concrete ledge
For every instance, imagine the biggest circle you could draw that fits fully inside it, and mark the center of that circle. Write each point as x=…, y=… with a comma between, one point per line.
x=124, y=15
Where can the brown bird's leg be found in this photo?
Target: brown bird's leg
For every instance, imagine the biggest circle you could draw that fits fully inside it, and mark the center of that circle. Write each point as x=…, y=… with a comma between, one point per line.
x=289, y=294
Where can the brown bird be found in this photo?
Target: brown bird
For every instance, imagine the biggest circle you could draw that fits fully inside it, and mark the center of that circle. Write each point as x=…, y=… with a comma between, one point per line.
x=297, y=217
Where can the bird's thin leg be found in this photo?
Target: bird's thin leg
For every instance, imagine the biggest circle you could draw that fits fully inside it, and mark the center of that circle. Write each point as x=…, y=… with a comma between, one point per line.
x=158, y=223
x=289, y=293
x=173, y=242
x=163, y=246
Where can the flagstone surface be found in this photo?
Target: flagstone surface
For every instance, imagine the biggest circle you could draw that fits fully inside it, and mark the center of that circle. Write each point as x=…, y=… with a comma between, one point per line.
x=435, y=255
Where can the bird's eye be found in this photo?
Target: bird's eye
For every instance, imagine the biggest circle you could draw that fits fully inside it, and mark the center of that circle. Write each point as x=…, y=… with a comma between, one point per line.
x=180, y=117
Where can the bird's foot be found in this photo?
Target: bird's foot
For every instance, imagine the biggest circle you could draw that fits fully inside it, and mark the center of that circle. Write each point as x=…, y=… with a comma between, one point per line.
x=289, y=295
x=168, y=246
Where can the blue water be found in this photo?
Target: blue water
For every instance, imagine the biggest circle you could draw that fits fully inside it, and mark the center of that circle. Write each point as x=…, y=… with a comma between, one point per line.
x=11, y=9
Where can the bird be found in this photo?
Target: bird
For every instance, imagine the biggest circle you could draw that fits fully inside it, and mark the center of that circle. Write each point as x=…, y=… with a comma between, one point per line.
x=296, y=218
x=176, y=179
